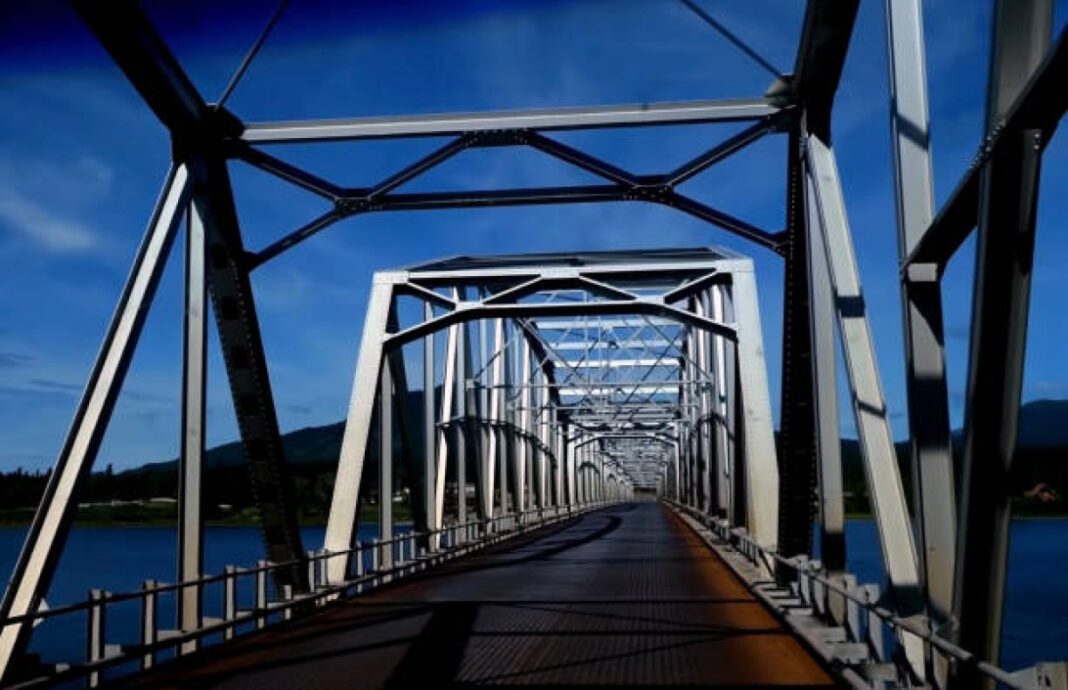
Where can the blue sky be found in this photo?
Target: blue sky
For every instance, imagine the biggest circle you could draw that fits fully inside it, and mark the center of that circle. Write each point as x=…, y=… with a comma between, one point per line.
x=81, y=161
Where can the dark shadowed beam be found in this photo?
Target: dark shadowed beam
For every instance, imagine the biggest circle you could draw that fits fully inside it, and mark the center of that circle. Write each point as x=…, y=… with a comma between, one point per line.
x=821, y=55
x=1008, y=196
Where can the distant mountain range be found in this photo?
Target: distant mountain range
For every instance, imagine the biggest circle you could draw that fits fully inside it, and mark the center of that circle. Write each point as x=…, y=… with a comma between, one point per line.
x=312, y=452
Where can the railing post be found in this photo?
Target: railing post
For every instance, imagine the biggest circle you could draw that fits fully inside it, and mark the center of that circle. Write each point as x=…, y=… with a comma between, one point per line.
x=287, y=596
x=149, y=623
x=230, y=601
x=313, y=578
x=875, y=624
x=96, y=632
x=261, y=594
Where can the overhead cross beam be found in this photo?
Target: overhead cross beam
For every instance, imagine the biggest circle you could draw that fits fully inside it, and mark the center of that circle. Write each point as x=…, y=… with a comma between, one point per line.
x=623, y=185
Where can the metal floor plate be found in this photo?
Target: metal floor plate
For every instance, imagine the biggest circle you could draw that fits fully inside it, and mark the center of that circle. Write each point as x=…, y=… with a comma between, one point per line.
x=627, y=596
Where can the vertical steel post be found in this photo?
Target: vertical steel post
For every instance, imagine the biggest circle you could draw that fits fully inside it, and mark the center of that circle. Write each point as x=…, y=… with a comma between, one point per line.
x=798, y=460
x=934, y=502
x=385, y=464
x=463, y=361
x=724, y=424
x=237, y=324
x=504, y=429
x=430, y=436
x=448, y=393
x=191, y=481
x=761, y=467
x=36, y=564
x=1003, y=264
x=824, y=368
x=524, y=446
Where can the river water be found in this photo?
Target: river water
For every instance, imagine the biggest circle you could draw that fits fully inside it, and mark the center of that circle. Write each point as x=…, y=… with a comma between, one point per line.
x=118, y=559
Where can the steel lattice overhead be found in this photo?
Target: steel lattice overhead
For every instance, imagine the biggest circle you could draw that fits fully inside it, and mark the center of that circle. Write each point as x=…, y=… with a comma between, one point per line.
x=563, y=372
x=555, y=384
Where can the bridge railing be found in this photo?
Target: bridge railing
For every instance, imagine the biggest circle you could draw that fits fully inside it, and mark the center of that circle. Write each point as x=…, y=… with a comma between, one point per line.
x=864, y=613
x=270, y=604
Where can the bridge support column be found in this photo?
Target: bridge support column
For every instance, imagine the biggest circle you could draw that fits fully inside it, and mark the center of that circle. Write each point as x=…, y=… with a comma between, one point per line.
x=761, y=468
x=430, y=438
x=1004, y=255
x=191, y=479
x=463, y=366
x=925, y=370
x=385, y=466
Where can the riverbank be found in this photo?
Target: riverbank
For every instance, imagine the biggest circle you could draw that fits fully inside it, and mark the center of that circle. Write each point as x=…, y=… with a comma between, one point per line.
x=165, y=514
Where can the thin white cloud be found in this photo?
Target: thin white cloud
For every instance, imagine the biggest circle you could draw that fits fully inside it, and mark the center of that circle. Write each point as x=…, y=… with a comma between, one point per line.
x=30, y=207
x=46, y=229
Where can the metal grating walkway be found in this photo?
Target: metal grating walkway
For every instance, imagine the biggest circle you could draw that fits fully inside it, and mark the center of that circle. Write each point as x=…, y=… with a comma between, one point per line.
x=627, y=596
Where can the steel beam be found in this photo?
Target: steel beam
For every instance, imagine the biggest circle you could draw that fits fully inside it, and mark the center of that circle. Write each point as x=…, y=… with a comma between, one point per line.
x=191, y=478
x=135, y=46
x=869, y=407
x=825, y=36
x=824, y=375
x=1003, y=264
x=430, y=436
x=463, y=441
x=234, y=307
x=761, y=466
x=797, y=436
x=638, y=114
x=37, y=561
x=934, y=504
x=344, y=505
x=386, y=401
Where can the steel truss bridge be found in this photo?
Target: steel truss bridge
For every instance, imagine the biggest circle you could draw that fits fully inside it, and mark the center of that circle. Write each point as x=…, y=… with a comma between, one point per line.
x=561, y=394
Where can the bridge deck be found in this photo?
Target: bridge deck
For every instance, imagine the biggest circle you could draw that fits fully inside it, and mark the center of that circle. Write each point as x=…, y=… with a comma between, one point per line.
x=625, y=596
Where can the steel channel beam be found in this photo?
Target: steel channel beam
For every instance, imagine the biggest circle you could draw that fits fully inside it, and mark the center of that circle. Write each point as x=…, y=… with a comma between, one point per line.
x=344, y=505
x=429, y=434
x=934, y=504
x=824, y=376
x=633, y=115
x=386, y=401
x=464, y=442
x=869, y=404
x=761, y=466
x=191, y=453
x=234, y=307
x=1004, y=256
x=44, y=542
x=448, y=395
x=797, y=437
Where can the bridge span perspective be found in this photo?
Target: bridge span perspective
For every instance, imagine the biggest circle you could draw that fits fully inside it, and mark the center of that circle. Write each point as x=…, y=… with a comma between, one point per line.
x=563, y=469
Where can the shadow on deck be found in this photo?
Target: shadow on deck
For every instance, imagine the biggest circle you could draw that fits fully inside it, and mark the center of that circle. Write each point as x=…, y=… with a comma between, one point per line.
x=627, y=596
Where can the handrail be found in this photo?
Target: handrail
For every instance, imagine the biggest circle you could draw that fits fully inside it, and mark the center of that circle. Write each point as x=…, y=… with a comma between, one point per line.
x=459, y=542
x=802, y=566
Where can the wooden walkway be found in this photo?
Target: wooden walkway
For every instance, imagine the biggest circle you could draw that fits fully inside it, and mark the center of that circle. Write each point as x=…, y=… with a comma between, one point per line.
x=627, y=596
